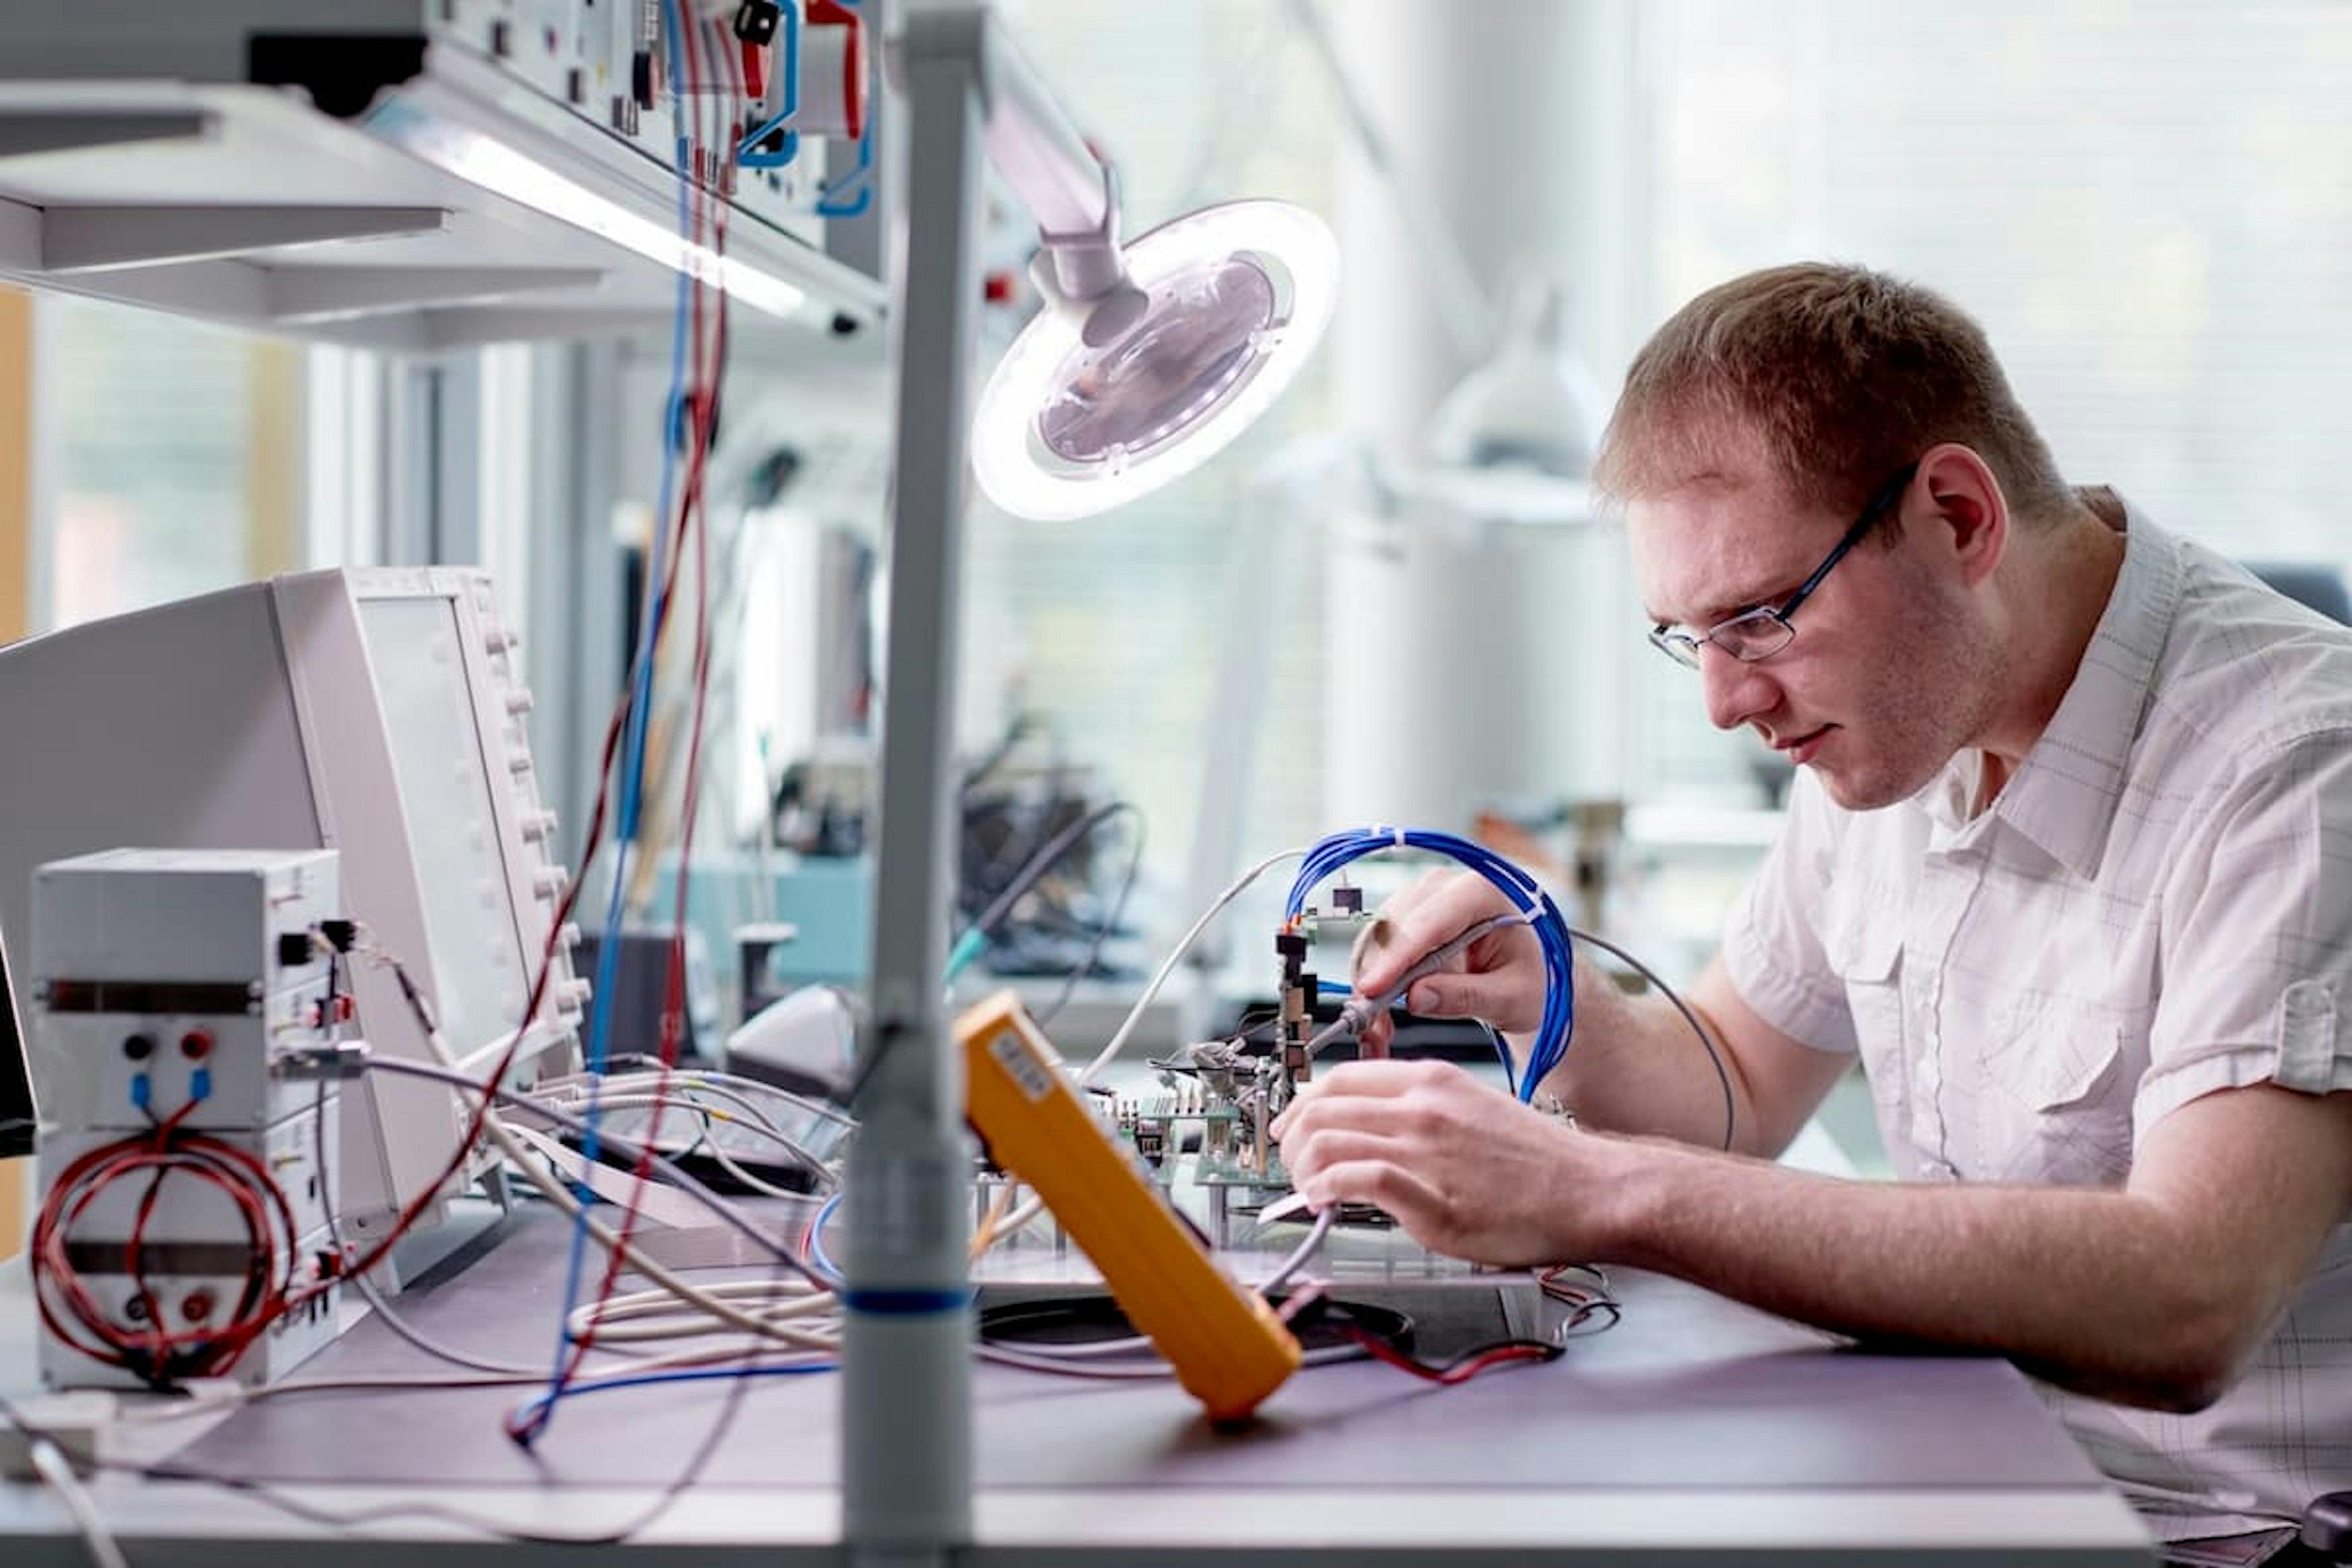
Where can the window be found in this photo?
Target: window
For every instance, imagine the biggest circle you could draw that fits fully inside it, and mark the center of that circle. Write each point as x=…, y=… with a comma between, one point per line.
x=174, y=457
x=15, y=463
x=2147, y=206
x=1112, y=627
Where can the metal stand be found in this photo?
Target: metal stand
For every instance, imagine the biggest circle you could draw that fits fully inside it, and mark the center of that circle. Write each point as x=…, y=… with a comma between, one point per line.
x=907, y=1394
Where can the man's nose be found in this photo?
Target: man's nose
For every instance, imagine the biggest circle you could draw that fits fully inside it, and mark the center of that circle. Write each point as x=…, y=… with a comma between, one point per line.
x=1736, y=691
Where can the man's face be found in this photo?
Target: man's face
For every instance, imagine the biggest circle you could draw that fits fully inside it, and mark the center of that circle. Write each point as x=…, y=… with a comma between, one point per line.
x=1888, y=675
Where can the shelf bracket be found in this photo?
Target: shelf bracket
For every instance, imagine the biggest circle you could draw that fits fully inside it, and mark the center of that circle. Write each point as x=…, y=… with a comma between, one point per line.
x=25, y=131
x=100, y=238
x=20, y=237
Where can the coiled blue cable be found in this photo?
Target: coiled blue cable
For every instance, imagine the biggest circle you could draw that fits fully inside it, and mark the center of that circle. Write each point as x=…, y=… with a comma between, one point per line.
x=1526, y=894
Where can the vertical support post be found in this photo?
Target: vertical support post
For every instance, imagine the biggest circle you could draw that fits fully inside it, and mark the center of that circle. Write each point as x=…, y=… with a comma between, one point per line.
x=907, y=1394
x=274, y=458
x=411, y=456
x=455, y=537
x=15, y=621
x=573, y=660
x=16, y=455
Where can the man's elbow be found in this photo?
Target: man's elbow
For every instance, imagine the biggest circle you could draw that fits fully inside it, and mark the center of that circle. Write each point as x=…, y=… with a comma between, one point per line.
x=2183, y=1389
x=2195, y=1360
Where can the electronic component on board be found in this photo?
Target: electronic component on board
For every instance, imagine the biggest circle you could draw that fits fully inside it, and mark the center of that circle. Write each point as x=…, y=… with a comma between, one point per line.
x=1227, y=1347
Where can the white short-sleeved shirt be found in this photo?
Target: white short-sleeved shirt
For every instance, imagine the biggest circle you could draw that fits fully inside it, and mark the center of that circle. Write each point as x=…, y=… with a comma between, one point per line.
x=2158, y=905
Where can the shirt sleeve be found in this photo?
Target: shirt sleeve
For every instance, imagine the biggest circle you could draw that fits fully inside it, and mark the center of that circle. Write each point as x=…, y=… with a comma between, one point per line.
x=1772, y=939
x=2257, y=984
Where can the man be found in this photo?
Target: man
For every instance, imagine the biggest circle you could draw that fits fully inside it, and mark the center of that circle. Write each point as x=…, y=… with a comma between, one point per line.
x=2068, y=864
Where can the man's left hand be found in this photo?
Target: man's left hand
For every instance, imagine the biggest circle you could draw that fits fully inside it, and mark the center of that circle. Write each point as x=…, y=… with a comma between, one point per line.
x=1464, y=1168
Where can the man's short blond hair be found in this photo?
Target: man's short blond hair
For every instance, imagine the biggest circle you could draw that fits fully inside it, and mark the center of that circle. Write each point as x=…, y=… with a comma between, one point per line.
x=1832, y=377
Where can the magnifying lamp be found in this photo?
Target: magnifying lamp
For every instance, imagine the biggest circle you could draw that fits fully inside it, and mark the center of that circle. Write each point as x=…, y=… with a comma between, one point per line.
x=1101, y=400
x=1148, y=358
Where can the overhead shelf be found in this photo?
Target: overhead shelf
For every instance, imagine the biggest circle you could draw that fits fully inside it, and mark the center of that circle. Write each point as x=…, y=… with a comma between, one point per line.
x=479, y=174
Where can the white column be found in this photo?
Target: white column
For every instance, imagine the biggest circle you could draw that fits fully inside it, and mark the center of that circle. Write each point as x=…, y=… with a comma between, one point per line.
x=1480, y=661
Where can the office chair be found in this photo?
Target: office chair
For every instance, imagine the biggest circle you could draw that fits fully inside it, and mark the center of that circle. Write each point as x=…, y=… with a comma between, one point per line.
x=2327, y=1527
x=2313, y=583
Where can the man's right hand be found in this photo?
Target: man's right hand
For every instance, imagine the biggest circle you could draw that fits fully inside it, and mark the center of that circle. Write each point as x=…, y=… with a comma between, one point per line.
x=1498, y=978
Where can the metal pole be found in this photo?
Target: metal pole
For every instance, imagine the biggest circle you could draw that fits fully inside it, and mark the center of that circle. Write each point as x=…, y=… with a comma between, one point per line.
x=907, y=1394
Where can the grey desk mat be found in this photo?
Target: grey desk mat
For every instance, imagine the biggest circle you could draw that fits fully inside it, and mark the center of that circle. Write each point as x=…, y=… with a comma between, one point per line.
x=1690, y=1391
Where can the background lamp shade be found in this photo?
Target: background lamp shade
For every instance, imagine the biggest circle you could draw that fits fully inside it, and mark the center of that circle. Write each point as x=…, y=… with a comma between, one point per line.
x=1237, y=297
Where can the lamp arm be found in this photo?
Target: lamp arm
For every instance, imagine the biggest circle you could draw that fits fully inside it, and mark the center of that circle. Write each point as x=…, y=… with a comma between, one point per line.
x=1031, y=141
x=1033, y=144
x=1072, y=195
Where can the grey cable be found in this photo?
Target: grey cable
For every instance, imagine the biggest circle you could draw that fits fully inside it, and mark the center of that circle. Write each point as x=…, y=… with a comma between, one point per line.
x=643, y=1091
x=1357, y=1011
x=1053, y=1358
x=1722, y=1073
x=1290, y=1267
x=733, y=1216
x=375, y=1299
x=1060, y=1362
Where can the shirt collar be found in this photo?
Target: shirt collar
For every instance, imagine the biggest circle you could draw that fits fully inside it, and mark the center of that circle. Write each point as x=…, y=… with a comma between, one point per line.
x=2063, y=796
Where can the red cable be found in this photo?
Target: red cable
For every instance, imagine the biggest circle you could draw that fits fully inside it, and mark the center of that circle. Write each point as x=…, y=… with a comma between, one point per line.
x=703, y=390
x=231, y=1171
x=1463, y=1368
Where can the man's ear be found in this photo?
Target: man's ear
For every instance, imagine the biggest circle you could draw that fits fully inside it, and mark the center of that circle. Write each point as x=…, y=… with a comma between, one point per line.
x=1971, y=516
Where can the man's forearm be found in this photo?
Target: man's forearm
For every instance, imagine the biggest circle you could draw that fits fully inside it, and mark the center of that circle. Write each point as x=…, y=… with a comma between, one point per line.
x=2097, y=1291
x=1634, y=1065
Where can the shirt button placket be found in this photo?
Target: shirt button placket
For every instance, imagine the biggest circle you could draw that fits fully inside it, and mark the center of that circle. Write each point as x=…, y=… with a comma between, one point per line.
x=1944, y=895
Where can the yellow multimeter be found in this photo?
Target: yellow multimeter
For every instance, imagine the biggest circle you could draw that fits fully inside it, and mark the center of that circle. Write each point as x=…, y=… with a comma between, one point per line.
x=1229, y=1350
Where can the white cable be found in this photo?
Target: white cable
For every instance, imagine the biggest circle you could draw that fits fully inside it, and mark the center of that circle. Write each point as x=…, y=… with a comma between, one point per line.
x=652, y=1315
x=1183, y=946
x=402, y=1329
x=766, y=1127
x=730, y=1214
x=1019, y=1220
x=441, y=1350
x=1068, y=1361
x=766, y=1188
x=236, y=1396
x=1026, y=1215
x=807, y=1161
x=57, y=1470
x=556, y=1193
x=755, y=1088
x=1290, y=1267
x=656, y=1091
x=659, y=1086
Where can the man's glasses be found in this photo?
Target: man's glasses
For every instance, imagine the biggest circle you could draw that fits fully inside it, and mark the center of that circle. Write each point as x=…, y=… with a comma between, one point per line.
x=1760, y=633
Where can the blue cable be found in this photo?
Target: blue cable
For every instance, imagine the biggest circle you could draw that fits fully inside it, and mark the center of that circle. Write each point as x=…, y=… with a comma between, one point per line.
x=1526, y=894
x=747, y=151
x=967, y=949
x=537, y=1410
x=830, y=202
x=817, y=1252
x=630, y=765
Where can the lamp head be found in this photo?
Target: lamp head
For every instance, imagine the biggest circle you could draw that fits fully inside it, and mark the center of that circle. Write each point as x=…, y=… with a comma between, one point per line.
x=1100, y=401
